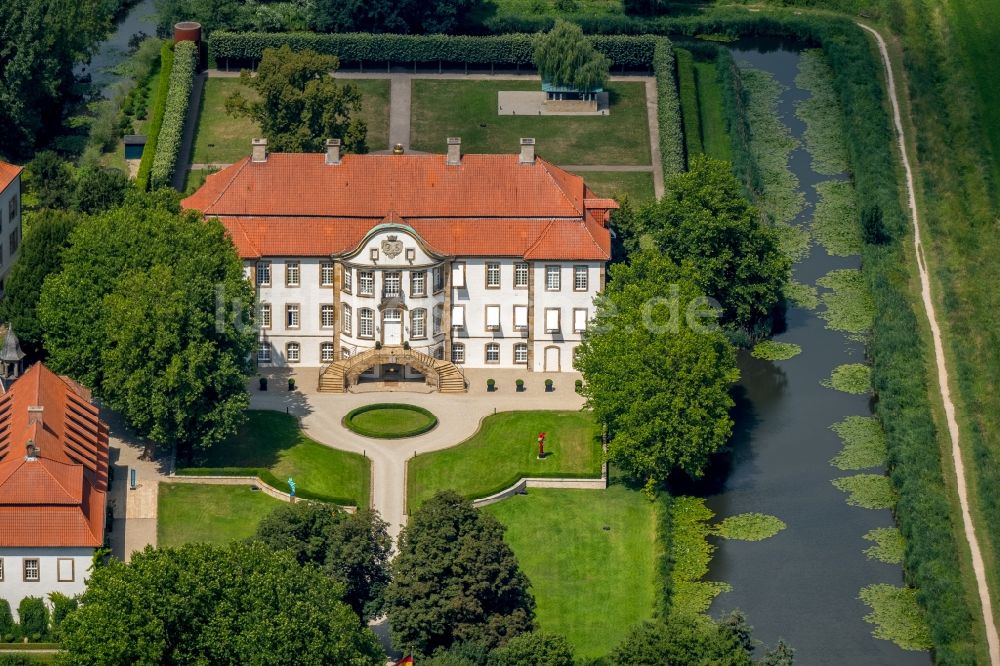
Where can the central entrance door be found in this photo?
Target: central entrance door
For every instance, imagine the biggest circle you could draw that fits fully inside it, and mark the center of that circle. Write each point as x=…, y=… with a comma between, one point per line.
x=392, y=327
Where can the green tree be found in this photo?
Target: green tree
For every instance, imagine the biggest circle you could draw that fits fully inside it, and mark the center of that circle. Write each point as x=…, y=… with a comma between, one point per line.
x=34, y=618
x=98, y=190
x=62, y=606
x=354, y=549
x=149, y=310
x=403, y=16
x=681, y=641
x=780, y=655
x=456, y=580
x=533, y=649
x=300, y=104
x=48, y=182
x=565, y=57
x=705, y=220
x=8, y=628
x=655, y=372
x=46, y=236
x=200, y=604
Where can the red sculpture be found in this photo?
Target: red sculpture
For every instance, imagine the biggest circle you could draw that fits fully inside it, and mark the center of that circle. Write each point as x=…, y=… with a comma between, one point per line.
x=541, y=445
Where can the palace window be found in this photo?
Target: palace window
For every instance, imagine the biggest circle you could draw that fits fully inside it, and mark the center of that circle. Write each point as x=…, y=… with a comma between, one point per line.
x=438, y=315
x=292, y=273
x=579, y=320
x=31, y=570
x=65, y=570
x=326, y=352
x=492, y=276
x=292, y=352
x=326, y=316
x=520, y=317
x=326, y=275
x=418, y=283
x=458, y=353
x=346, y=324
x=366, y=323
x=14, y=240
x=493, y=352
x=391, y=283
x=265, y=315
x=264, y=352
x=438, y=278
x=521, y=274
x=457, y=316
x=292, y=315
x=418, y=323
x=263, y=273
x=366, y=283
x=13, y=208
x=520, y=353
x=492, y=317
x=579, y=278
x=551, y=320
x=458, y=274
x=553, y=278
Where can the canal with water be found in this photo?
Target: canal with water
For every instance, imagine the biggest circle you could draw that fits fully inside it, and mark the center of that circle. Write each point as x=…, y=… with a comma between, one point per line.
x=801, y=585
x=113, y=51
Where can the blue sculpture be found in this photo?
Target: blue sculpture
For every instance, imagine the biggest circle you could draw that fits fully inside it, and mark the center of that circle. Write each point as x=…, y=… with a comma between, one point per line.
x=291, y=485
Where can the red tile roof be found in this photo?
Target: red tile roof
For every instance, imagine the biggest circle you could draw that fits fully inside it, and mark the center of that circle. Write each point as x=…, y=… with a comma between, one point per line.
x=490, y=205
x=58, y=498
x=8, y=172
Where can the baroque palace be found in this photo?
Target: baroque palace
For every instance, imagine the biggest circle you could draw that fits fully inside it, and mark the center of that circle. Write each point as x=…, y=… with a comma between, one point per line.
x=406, y=265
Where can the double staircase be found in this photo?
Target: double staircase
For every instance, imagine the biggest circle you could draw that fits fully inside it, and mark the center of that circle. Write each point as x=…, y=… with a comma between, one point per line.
x=337, y=376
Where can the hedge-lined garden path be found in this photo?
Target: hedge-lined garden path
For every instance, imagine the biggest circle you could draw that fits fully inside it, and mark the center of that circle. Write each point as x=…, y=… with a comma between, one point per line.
x=401, y=96
x=459, y=416
x=190, y=127
x=944, y=388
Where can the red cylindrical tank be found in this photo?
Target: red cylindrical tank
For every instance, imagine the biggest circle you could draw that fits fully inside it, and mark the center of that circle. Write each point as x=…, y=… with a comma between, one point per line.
x=187, y=31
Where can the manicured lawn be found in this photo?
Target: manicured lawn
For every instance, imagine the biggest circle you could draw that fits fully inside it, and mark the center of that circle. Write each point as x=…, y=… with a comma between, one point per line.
x=714, y=136
x=213, y=514
x=468, y=109
x=390, y=421
x=222, y=139
x=196, y=178
x=591, y=583
x=638, y=185
x=504, y=450
x=272, y=443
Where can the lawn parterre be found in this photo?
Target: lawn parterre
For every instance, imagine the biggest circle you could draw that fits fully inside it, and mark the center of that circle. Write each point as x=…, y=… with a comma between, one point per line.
x=271, y=446
x=390, y=420
x=591, y=557
x=506, y=449
x=222, y=139
x=468, y=109
x=214, y=514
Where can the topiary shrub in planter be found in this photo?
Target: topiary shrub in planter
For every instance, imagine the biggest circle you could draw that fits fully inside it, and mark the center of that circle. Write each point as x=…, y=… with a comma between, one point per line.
x=548, y=385
x=262, y=381
x=491, y=385
x=520, y=385
x=378, y=345
x=578, y=385
x=291, y=383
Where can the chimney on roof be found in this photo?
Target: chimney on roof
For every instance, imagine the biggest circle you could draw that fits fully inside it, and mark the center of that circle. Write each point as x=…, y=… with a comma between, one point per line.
x=35, y=414
x=31, y=451
x=454, y=151
x=258, y=150
x=333, y=151
x=527, y=151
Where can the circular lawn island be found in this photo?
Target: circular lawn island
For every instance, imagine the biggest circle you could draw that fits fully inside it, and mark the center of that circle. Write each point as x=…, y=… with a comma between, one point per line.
x=389, y=420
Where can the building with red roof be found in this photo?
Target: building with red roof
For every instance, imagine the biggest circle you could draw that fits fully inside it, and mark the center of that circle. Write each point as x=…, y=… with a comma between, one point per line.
x=53, y=485
x=10, y=218
x=476, y=260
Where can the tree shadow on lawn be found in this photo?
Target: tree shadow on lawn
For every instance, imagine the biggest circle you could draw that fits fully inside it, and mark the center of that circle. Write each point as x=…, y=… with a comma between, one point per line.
x=258, y=442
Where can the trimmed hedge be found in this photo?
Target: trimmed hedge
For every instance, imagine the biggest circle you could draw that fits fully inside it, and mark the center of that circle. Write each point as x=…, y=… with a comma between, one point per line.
x=156, y=118
x=269, y=478
x=511, y=49
x=376, y=434
x=178, y=98
x=668, y=109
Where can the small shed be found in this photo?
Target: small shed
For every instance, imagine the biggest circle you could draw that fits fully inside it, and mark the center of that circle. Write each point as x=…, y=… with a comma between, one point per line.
x=134, y=145
x=568, y=98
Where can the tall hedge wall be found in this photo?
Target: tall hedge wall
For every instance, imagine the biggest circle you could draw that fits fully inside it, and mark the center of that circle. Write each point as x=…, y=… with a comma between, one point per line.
x=171, y=135
x=668, y=109
x=156, y=116
x=512, y=49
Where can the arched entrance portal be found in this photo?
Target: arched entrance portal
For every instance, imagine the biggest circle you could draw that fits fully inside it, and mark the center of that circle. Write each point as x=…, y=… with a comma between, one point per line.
x=442, y=375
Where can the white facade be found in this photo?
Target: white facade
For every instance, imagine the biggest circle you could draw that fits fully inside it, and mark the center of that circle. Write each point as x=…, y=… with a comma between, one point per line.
x=38, y=572
x=392, y=289
x=10, y=227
